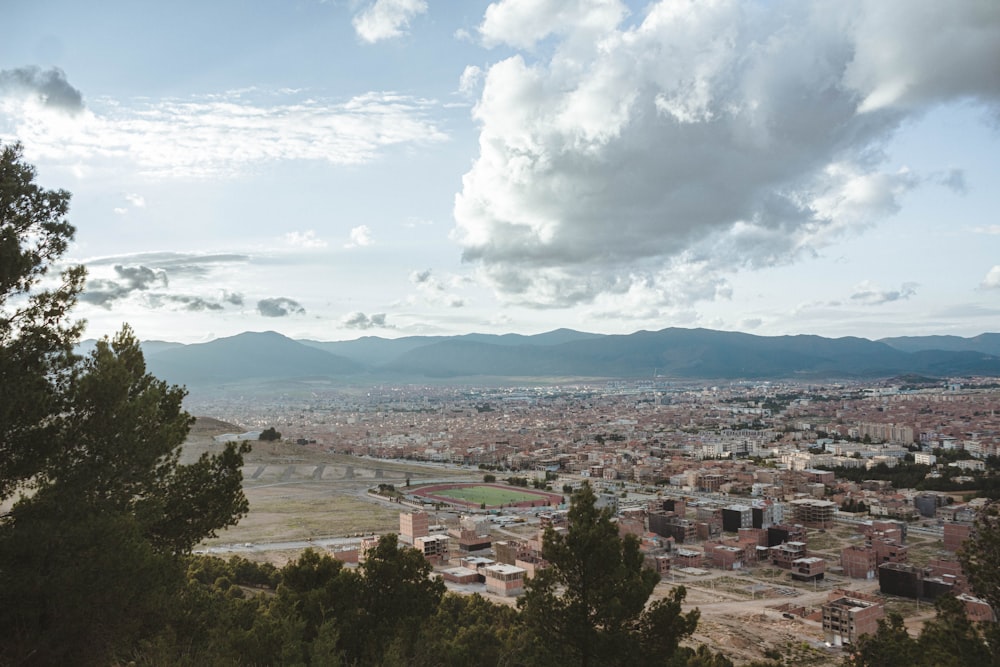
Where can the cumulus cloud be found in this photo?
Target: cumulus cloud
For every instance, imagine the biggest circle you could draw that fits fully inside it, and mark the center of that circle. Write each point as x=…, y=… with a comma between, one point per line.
x=699, y=139
x=279, y=307
x=992, y=279
x=420, y=277
x=233, y=298
x=471, y=77
x=136, y=200
x=306, y=239
x=129, y=279
x=434, y=291
x=872, y=295
x=47, y=87
x=172, y=263
x=360, y=236
x=359, y=320
x=386, y=19
x=143, y=279
x=224, y=135
x=188, y=303
x=523, y=23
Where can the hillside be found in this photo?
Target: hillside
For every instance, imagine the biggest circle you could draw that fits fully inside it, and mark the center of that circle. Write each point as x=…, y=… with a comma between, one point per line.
x=270, y=357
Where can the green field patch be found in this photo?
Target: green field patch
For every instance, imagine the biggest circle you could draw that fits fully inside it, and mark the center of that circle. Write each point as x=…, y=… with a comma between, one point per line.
x=491, y=495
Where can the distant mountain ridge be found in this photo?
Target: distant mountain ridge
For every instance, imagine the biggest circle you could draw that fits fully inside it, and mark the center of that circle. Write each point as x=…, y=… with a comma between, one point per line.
x=987, y=343
x=564, y=353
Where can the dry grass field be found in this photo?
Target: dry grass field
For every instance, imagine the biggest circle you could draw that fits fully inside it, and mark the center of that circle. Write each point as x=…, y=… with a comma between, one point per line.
x=301, y=493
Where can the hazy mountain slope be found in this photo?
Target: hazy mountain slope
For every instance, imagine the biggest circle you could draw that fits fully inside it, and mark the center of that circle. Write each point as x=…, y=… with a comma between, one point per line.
x=373, y=350
x=376, y=351
x=690, y=353
x=244, y=357
x=987, y=343
x=682, y=353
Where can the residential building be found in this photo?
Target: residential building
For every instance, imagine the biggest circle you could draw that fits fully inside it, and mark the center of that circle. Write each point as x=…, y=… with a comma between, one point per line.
x=847, y=616
x=505, y=580
x=413, y=525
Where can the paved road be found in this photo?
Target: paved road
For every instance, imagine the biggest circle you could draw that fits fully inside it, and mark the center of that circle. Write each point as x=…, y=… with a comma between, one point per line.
x=248, y=547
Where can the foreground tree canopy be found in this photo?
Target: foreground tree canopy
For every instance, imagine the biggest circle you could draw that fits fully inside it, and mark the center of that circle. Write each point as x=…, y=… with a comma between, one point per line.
x=101, y=508
x=590, y=606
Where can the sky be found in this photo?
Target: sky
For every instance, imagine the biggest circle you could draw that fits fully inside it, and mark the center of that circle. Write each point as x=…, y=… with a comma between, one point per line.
x=345, y=168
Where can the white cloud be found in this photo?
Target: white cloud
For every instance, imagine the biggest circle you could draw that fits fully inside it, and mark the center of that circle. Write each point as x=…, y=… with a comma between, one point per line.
x=135, y=200
x=471, y=77
x=433, y=291
x=703, y=139
x=306, y=239
x=872, y=295
x=359, y=320
x=386, y=19
x=48, y=88
x=279, y=307
x=360, y=236
x=523, y=23
x=992, y=279
x=160, y=281
x=217, y=136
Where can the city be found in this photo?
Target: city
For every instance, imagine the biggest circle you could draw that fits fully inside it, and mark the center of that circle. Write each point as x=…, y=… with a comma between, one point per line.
x=772, y=500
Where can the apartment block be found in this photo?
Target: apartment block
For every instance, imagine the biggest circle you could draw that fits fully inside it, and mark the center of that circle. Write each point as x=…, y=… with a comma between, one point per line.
x=859, y=561
x=433, y=547
x=847, y=616
x=735, y=517
x=785, y=554
x=413, y=525
x=688, y=558
x=505, y=580
x=814, y=513
x=955, y=534
x=811, y=568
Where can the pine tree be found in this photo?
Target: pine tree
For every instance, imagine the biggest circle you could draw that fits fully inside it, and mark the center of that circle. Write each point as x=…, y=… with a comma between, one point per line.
x=36, y=333
x=89, y=551
x=588, y=607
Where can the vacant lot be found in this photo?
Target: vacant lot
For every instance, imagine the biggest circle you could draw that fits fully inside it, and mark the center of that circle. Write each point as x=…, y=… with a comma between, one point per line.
x=298, y=493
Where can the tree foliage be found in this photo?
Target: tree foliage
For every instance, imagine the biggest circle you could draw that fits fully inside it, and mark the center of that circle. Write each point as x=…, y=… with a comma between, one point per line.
x=269, y=435
x=980, y=555
x=949, y=639
x=89, y=549
x=36, y=334
x=589, y=606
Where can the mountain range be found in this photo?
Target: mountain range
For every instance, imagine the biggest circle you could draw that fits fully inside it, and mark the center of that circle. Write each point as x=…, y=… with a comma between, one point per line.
x=563, y=354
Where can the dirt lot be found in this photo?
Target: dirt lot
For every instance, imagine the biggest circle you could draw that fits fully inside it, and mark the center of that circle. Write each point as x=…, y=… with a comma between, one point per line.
x=301, y=492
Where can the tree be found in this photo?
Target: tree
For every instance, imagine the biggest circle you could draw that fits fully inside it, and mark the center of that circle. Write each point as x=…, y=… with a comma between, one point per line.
x=269, y=435
x=94, y=547
x=950, y=639
x=980, y=554
x=980, y=558
x=398, y=595
x=36, y=334
x=89, y=551
x=890, y=646
x=589, y=606
x=465, y=630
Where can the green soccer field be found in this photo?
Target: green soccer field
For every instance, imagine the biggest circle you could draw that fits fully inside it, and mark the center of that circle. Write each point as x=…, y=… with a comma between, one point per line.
x=490, y=495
